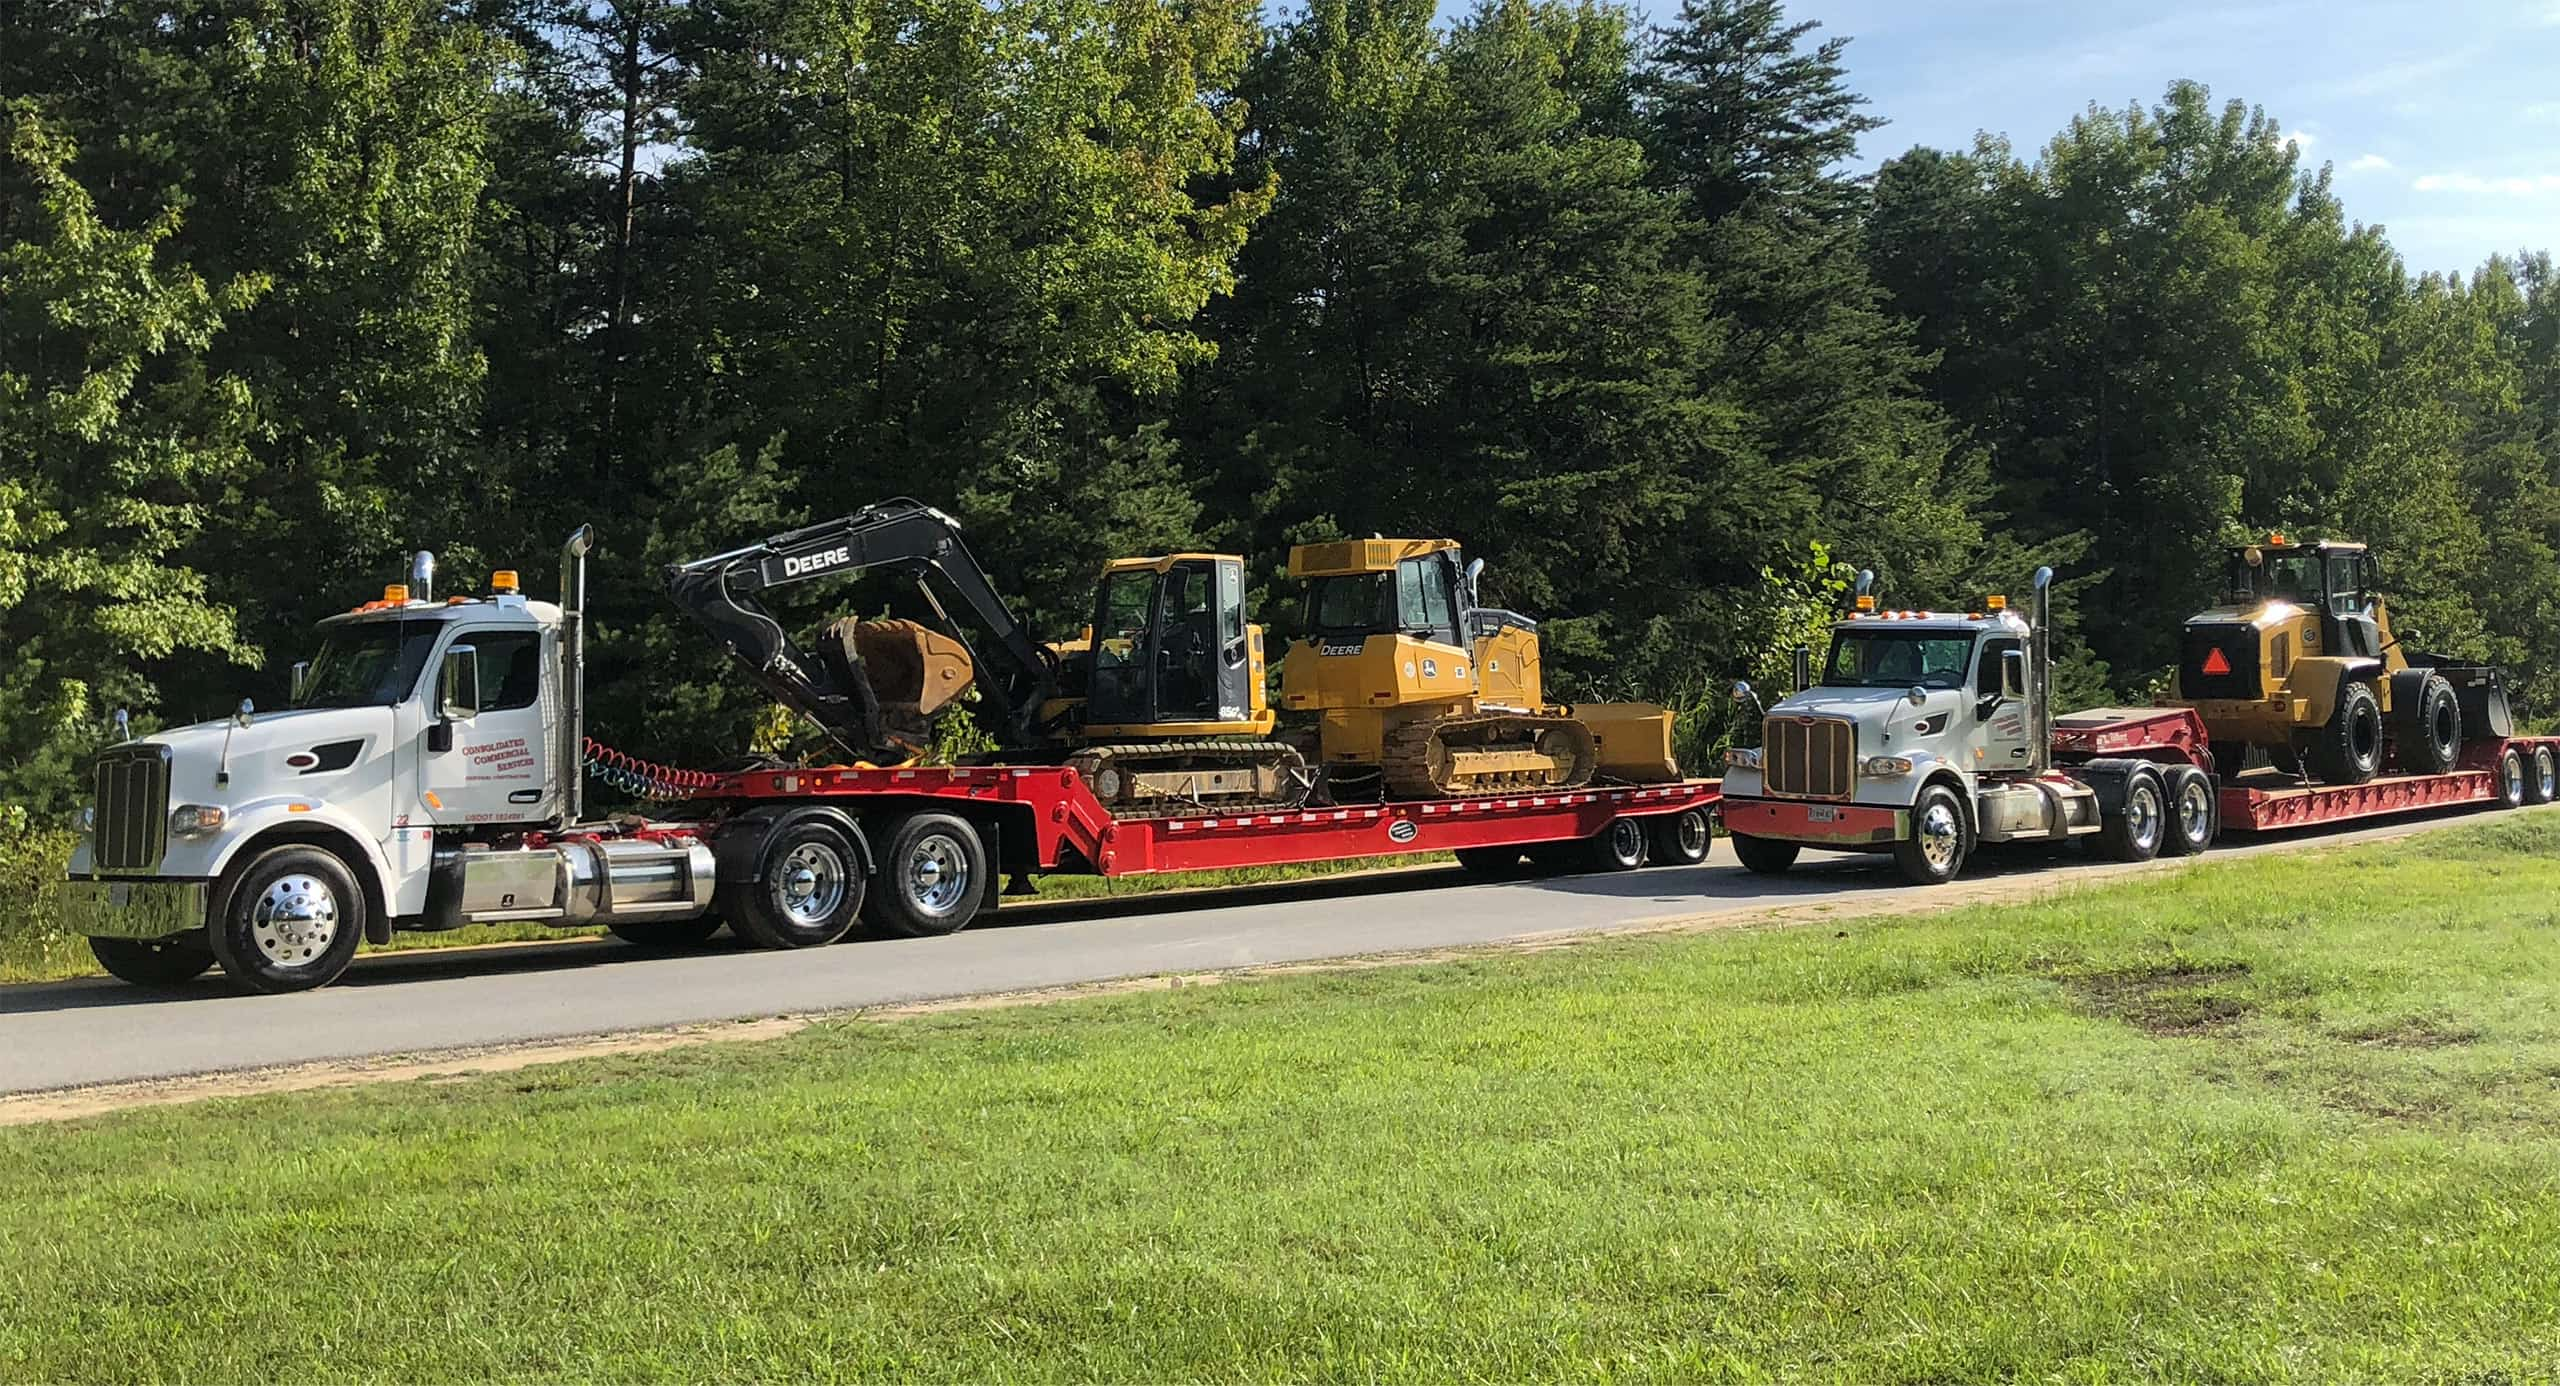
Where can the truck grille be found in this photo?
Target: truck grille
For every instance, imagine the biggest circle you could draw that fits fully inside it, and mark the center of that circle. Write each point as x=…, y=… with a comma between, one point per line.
x=1808, y=757
x=2235, y=675
x=133, y=808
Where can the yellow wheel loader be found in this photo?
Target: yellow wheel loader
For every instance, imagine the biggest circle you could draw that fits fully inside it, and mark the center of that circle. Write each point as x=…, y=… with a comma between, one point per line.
x=2300, y=660
x=1423, y=693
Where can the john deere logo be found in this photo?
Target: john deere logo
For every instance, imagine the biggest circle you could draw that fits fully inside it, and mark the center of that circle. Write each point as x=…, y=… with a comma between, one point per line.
x=1403, y=830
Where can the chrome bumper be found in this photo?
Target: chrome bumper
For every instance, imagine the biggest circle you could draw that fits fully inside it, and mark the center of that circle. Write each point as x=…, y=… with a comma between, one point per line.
x=133, y=909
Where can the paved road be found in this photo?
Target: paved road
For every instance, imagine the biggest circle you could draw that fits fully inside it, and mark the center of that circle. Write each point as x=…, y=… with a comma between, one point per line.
x=68, y=1034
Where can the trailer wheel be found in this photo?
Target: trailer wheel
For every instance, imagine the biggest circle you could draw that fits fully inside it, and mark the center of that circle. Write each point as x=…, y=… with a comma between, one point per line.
x=2136, y=829
x=1939, y=843
x=2429, y=737
x=666, y=934
x=805, y=891
x=2542, y=782
x=2511, y=778
x=1681, y=839
x=933, y=874
x=2349, y=749
x=1490, y=861
x=1617, y=847
x=290, y=920
x=1764, y=856
x=153, y=962
x=2192, y=811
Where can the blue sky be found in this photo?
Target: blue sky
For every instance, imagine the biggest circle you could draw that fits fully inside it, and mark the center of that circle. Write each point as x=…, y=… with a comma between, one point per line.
x=2442, y=119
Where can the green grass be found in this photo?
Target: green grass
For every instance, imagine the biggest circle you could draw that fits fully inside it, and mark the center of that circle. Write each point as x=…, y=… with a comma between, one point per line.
x=33, y=948
x=2281, y=1118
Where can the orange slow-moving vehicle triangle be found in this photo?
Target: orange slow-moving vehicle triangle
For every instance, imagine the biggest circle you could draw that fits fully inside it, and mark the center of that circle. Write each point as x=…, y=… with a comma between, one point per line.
x=2214, y=663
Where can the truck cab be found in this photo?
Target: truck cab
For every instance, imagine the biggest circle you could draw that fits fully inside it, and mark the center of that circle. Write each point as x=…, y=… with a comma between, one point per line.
x=1924, y=734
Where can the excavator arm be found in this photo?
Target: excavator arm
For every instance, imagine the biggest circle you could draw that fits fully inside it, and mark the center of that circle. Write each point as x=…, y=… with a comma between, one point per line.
x=863, y=705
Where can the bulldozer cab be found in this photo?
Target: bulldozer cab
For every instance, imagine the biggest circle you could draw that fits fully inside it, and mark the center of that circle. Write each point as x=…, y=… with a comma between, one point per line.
x=2333, y=579
x=1171, y=653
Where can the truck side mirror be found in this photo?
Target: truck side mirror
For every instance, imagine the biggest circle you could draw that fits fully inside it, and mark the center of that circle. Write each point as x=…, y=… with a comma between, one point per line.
x=301, y=681
x=2013, y=673
x=458, y=690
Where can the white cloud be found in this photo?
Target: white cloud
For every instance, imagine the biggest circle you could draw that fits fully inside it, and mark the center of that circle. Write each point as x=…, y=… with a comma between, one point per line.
x=2549, y=15
x=2542, y=110
x=2368, y=163
x=2511, y=186
x=2301, y=140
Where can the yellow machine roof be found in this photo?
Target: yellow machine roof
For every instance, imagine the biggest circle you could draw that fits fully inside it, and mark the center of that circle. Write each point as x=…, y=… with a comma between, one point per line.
x=1347, y=556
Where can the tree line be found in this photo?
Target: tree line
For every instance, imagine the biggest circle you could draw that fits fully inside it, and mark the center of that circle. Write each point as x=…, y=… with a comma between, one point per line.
x=290, y=286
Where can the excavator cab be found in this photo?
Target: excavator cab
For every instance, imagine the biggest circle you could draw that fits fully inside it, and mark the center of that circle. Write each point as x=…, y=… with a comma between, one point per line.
x=1172, y=653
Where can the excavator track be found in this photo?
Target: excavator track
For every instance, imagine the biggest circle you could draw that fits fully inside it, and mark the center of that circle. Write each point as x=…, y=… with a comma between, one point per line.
x=1172, y=779
x=1488, y=753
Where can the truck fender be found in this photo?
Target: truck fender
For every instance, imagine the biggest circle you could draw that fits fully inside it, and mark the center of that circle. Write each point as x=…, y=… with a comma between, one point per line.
x=2315, y=680
x=738, y=845
x=260, y=826
x=1964, y=798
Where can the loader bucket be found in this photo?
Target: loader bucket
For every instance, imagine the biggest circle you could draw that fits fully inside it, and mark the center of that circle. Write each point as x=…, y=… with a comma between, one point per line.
x=913, y=670
x=1635, y=740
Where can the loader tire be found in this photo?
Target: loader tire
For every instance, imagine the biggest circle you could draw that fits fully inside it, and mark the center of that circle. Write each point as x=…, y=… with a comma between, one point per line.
x=2349, y=749
x=2429, y=734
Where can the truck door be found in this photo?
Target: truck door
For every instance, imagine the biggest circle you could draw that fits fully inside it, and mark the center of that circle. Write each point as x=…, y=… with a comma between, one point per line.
x=492, y=766
x=2007, y=735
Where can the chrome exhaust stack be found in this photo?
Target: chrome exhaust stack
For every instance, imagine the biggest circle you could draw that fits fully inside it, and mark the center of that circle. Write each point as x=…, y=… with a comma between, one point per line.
x=573, y=672
x=2040, y=638
x=422, y=576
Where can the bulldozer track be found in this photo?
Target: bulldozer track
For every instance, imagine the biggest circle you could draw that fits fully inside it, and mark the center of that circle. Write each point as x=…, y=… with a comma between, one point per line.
x=1416, y=758
x=1282, y=777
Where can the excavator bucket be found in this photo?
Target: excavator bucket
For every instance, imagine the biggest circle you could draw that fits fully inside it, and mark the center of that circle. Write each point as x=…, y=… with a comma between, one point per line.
x=1635, y=740
x=913, y=670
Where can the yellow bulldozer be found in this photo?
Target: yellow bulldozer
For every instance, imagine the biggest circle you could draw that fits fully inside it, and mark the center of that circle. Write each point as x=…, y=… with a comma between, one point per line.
x=1426, y=693
x=2300, y=661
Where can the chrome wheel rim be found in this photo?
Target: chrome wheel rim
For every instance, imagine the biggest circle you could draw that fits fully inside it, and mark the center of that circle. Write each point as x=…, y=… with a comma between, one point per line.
x=2546, y=773
x=1692, y=834
x=1626, y=839
x=1941, y=833
x=2142, y=816
x=2195, y=811
x=2511, y=770
x=294, y=920
x=937, y=874
x=811, y=883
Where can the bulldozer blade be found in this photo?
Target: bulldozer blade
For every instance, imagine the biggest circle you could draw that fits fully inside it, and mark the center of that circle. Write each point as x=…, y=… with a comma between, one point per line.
x=1635, y=740
x=913, y=670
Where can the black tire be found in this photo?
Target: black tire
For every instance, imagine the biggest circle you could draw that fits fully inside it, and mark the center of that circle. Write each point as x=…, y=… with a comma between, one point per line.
x=933, y=874
x=666, y=934
x=153, y=962
x=1940, y=838
x=2428, y=736
x=2349, y=749
x=2138, y=825
x=1681, y=839
x=2542, y=776
x=288, y=919
x=2228, y=757
x=1764, y=856
x=2286, y=760
x=806, y=891
x=1617, y=847
x=2193, y=811
x=1490, y=861
x=2511, y=778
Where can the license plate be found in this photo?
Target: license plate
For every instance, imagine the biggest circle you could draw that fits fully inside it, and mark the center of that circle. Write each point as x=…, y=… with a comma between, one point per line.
x=1820, y=814
x=120, y=895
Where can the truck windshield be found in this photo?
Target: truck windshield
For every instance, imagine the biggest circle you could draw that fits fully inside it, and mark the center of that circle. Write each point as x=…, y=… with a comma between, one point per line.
x=368, y=664
x=1897, y=659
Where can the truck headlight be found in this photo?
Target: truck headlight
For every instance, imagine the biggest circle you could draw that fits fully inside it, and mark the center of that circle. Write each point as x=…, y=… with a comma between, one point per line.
x=195, y=820
x=1886, y=765
x=1742, y=757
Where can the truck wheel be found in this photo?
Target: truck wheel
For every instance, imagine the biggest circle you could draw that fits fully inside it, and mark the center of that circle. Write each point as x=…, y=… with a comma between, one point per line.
x=2542, y=777
x=932, y=874
x=2228, y=757
x=2429, y=737
x=2135, y=830
x=1764, y=856
x=2349, y=749
x=1938, y=844
x=808, y=886
x=1490, y=861
x=291, y=919
x=2192, y=809
x=153, y=962
x=1617, y=847
x=2511, y=778
x=1681, y=839
x=666, y=934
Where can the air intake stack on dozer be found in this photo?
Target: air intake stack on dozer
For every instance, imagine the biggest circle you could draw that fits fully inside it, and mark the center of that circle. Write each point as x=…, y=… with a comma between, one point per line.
x=1423, y=693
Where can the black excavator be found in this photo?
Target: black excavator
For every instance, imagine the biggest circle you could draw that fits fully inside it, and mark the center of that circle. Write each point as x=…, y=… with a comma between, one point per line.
x=1160, y=706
